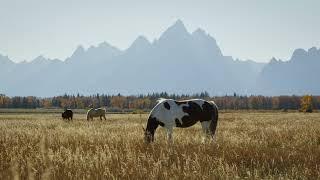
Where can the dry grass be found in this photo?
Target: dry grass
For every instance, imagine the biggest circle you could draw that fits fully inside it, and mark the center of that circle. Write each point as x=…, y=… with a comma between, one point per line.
x=247, y=145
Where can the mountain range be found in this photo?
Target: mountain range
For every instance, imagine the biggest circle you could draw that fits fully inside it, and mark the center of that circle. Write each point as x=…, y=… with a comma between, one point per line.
x=177, y=62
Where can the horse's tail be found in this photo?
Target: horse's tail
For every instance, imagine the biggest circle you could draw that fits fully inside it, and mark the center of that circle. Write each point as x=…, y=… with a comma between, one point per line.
x=214, y=120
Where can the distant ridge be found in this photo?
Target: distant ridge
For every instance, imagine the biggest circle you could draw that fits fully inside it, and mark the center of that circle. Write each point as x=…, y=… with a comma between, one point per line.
x=177, y=62
x=299, y=75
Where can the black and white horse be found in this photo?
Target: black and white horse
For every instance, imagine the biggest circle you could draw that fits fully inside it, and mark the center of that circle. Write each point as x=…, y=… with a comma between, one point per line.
x=169, y=113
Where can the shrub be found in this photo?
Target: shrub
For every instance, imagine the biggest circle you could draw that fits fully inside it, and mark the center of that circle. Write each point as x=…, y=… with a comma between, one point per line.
x=306, y=104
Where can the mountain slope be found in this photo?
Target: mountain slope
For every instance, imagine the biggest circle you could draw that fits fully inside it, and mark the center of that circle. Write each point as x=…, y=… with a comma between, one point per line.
x=299, y=75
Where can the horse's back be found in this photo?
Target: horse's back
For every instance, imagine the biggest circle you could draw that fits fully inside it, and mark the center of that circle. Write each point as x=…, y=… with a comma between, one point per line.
x=184, y=113
x=101, y=111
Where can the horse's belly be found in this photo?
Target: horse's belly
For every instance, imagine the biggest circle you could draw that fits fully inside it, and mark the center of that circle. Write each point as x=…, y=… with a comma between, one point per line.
x=185, y=122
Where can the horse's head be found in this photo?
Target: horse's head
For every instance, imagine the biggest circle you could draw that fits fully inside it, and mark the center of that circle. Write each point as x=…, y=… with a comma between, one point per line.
x=148, y=136
x=149, y=131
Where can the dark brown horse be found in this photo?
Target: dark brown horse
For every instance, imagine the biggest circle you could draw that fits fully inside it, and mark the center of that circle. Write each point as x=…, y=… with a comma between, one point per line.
x=67, y=114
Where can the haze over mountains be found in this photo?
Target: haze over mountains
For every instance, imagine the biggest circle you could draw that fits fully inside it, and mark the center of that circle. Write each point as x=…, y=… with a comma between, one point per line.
x=177, y=62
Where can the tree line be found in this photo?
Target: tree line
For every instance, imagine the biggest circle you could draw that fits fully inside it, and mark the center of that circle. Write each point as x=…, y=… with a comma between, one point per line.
x=146, y=102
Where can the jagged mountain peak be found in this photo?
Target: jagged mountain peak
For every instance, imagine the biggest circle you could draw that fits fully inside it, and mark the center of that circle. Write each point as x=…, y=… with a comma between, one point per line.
x=79, y=51
x=5, y=60
x=302, y=55
x=43, y=60
x=199, y=32
x=298, y=54
x=274, y=61
x=39, y=59
x=3, y=57
x=178, y=25
x=103, y=50
x=104, y=44
x=312, y=50
x=176, y=30
x=141, y=44
x=141, y=41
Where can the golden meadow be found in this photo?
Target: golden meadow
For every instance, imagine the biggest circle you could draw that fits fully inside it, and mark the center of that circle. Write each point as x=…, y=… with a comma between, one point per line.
x=248, y=144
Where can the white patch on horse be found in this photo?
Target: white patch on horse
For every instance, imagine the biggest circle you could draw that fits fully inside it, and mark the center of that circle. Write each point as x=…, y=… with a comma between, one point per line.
x=168, y=116
x=177, y=112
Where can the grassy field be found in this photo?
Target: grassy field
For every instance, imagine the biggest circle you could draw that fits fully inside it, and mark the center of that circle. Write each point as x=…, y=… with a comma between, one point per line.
x=247, y=145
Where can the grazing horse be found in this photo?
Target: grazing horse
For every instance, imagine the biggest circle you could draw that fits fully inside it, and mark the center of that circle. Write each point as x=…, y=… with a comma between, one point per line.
x=169, y=113
x=99, y=112
x=67, y=114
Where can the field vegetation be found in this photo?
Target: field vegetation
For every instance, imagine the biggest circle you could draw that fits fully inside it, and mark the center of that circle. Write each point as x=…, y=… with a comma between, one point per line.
x=247, y=145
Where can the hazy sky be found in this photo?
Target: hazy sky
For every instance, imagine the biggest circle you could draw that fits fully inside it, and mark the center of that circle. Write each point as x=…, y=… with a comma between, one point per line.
x=245, y=29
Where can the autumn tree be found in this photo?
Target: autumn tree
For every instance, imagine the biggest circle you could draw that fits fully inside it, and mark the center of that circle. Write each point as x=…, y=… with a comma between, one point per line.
x=306, y=103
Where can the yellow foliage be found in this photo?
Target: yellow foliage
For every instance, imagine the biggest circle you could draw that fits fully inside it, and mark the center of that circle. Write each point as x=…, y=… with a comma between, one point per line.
x=306, y=103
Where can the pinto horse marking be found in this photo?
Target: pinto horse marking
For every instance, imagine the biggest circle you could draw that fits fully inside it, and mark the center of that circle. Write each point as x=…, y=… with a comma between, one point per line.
x=169, y=113
x=166, y=105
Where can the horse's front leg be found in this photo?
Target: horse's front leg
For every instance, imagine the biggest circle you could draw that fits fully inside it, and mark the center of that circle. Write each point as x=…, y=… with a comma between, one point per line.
x=169, y=134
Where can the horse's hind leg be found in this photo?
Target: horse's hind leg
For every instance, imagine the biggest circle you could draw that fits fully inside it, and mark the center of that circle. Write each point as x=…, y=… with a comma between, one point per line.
x=214, y=121
x=104, y=116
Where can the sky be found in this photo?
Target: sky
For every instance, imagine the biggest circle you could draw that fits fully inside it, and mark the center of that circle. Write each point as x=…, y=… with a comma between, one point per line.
x=244, y=29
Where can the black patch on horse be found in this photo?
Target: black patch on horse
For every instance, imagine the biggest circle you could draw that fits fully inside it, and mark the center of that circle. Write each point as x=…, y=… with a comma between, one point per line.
x=178, y=124
x=166, y=105
x=188, y=121
x=193, y=109
x=207, y=111
x=153, y=124
x=161, y=123
x=196, y=113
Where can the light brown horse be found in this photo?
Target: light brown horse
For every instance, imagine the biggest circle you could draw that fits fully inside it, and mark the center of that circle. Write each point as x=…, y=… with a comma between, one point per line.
x=99, y=112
